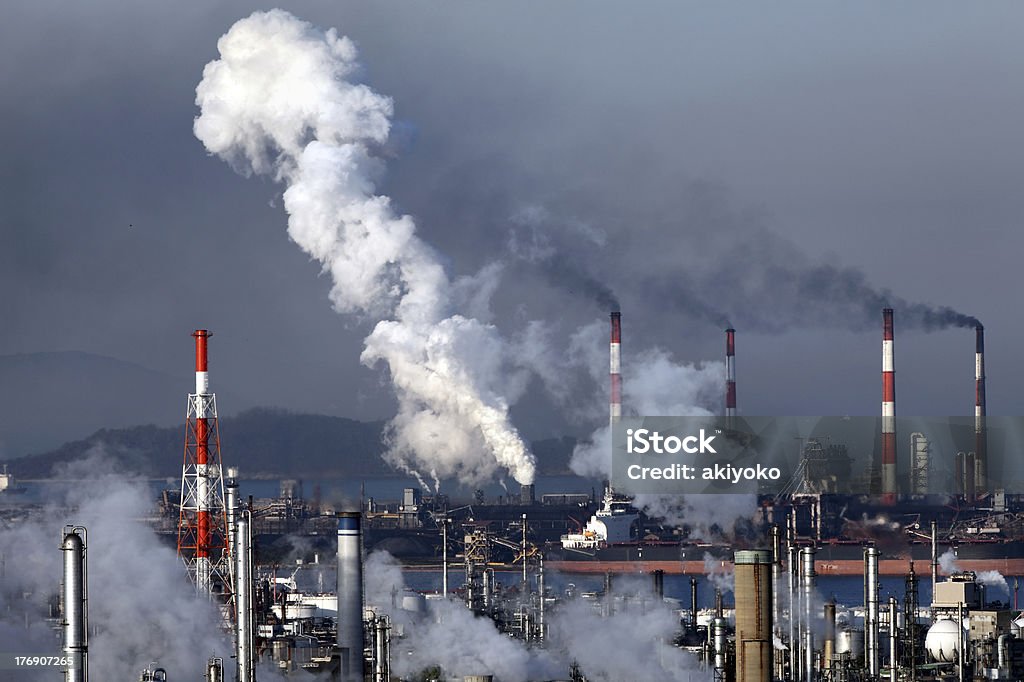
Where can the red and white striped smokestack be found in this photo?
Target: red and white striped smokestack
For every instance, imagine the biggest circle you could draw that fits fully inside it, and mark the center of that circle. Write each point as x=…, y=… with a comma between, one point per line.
x=730, y=373
x=615, y=403
x=202, y=375
x=980, y=434
x=202, y=432
x=888, y=411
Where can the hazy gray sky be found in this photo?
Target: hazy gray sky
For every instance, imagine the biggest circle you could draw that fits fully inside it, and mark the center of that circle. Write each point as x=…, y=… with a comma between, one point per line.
x=683, y=153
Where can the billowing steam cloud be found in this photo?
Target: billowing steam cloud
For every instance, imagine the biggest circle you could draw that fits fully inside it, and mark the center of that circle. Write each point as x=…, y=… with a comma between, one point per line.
x=632, y=644
x=281, y=101
x=141, y=605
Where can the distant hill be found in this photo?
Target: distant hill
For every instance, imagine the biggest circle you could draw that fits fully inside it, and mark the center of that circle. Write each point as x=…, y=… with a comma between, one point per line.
x=262, y=442
x=51, y=398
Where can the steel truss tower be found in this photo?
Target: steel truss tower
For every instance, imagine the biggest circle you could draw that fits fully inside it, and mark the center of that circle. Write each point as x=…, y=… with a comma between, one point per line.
x=202, y=522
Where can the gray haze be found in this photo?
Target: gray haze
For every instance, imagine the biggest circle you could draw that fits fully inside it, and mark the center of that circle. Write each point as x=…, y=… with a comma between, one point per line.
x=784, y=170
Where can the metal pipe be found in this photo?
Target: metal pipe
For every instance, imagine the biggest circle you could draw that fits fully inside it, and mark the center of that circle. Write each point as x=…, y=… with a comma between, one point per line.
x=381, y=652
x=935, y=558
x=244, y=626
x=444, y=557
x=487, y=573
x=871, y=610
x=893, y=653
x=215, y=670
x=830, y=634
x=659, y=583
x=75, y=622
x=693, y=604
x=793, y=641
x=350, y=596
x=541, y=590
x=607, y=593
x=776, y=570
x=961, y=657
x=231, y=505
x=525, y=578
x=808, y=577
x=1003, y=655
x=719, y=638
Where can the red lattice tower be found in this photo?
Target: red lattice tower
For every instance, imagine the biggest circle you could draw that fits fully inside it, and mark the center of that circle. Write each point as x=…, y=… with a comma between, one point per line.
x=202, y=522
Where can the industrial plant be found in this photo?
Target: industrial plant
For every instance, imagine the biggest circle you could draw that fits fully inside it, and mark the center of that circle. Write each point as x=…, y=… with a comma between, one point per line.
x=779, y=626
x=879, y=548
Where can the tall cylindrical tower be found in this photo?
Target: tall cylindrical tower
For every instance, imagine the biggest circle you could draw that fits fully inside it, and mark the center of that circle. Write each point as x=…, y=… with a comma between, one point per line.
x=350, y=596
x=75, y=623
x=871, y=616
x=615, y=398
x=980, y=432
x=245, y=622
x=730, y=374
x=753, y=615
x=888, y=411
x=808, y=580
x=829, y=647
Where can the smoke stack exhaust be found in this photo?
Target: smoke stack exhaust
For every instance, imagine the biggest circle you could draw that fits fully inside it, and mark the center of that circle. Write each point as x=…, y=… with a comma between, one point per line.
x=75, y=622
x=615, y=402
x=350, y=596
x=730, y=375
x=980, y=433
x=888, y=411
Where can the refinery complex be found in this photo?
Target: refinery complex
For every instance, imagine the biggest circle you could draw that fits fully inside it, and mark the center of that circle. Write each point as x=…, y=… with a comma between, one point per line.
x=498, y=561
x=385, y=514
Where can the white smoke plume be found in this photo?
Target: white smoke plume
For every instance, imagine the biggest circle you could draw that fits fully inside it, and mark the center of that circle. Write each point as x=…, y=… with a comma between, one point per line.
x=653, y=385
x=142, y=607
x=720, y=574
x=633, y=643
x=994, y=580
x=947, y=562
x=282, y=101
x=656, y=385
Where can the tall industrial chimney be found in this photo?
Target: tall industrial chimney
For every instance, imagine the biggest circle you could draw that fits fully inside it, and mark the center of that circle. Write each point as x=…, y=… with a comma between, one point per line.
x=980, y=432
x=730, y=375
x=888, y=411
x=615, y=402
x=202, y=523
x=753, y=615
x=829, y=647
x=75, y=623
x=350, y=596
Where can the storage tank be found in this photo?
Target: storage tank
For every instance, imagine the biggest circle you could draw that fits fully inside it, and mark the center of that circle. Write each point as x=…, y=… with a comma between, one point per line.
x=850, y=641
x=943, y=641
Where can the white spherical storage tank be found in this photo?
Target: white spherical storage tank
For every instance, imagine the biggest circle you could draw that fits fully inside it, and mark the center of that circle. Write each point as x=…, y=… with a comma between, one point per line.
x=943, y=640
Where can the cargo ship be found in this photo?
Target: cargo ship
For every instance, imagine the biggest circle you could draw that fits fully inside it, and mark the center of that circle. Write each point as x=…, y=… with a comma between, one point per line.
x=614, y=540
